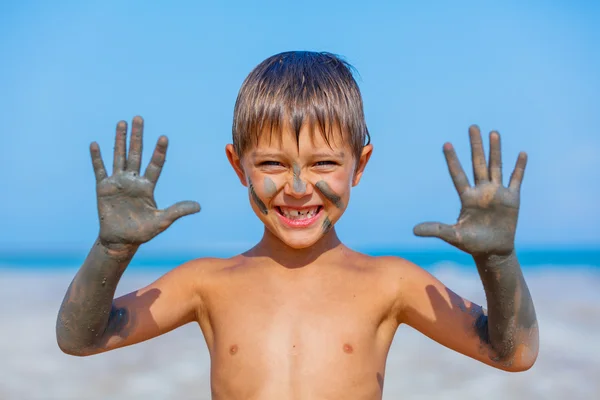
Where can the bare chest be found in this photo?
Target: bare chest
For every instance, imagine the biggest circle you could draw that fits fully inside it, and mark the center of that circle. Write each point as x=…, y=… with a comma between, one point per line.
x=293, y=309
x=300, y=331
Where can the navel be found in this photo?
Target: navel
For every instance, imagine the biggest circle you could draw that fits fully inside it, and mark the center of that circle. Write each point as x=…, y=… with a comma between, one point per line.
x=348, y=348
x=233, y=349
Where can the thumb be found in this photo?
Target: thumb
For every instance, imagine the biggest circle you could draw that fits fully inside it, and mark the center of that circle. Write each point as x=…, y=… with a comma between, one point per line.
x=177, y=211
x=436, y=229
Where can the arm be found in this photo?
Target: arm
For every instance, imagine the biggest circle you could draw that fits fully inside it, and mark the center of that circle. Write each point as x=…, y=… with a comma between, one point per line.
x=507, y=340
x=506, y=334
x=89, y=321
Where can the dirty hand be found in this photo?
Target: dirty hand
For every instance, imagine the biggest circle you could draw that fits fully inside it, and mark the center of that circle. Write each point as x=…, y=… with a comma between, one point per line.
x=489, y=211
x=126, y=206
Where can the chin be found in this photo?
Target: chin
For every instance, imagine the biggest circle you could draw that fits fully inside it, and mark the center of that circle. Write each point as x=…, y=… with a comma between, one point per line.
x=298, y=242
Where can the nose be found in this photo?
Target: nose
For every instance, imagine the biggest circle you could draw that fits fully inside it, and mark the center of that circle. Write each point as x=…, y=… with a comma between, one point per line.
x=297, y=187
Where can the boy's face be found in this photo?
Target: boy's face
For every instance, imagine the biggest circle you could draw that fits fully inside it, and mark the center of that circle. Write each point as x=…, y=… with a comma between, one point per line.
x=299, y=190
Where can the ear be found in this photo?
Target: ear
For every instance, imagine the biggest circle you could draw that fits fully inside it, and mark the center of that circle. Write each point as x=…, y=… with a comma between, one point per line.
x=236, y=163
x=362, y=163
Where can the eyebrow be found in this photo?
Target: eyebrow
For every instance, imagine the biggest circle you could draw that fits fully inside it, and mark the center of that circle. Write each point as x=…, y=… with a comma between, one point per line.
x=338, y=154
x=321, y=154
x=266, y=154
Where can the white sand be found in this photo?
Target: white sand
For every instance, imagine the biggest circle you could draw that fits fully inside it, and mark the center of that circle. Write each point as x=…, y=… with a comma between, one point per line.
x=176, y=366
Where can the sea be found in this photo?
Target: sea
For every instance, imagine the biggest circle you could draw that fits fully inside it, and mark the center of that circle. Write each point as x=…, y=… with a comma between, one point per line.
x=564, y=283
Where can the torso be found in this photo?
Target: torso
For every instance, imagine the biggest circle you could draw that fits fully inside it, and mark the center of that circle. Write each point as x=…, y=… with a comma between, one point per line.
x=318, y=333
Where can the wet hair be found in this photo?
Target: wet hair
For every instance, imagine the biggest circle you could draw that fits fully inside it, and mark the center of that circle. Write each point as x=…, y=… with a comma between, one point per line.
x=303, y=87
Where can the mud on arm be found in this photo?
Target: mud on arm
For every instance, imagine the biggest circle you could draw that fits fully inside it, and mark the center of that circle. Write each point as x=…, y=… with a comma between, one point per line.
x=88, y=318
x=510, y=324
x=486, y=230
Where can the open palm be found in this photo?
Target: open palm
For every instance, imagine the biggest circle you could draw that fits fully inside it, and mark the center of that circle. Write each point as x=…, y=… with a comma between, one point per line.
x=126, y=206
x=489, y=211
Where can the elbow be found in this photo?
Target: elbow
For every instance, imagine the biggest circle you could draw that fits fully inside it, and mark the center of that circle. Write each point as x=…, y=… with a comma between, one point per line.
x=525, y=353
x=521, y=366
x=70, y=349
x=522, y=360
x=69, y=345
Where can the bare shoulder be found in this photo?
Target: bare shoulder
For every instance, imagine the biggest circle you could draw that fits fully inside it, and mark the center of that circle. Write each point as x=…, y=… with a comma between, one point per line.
x=400, y=278
x=390, y=280
x=390, y=272
x=204, y=266
x=201, y=271
x=186, y=279
x=393, y=268
x=197, y=277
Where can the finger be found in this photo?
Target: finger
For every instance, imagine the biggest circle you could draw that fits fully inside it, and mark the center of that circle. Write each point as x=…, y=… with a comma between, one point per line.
x=517, y=176
x=477, y=155
x=119, y=161
x=158, y=160
x=134, y=159
x=495, y=158
x=461, y=182
x=97, y=162
x=177, y=211
x=436, y=229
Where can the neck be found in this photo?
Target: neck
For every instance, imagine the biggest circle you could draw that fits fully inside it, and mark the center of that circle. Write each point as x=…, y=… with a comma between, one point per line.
x=272, y=247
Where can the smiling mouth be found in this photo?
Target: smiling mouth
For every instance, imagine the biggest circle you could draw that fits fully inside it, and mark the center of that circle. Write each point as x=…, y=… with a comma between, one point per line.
x=299, y=217
x=295, y=213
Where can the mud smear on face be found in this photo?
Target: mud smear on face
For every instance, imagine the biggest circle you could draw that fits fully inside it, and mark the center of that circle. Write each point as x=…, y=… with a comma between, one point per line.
x=329, y=194
x=299, y=185
x=259, y=203
x=270, y=187
x=326, y=225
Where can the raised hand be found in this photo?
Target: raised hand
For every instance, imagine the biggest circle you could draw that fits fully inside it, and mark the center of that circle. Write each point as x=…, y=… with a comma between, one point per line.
x=126, y=206
x=489, y=211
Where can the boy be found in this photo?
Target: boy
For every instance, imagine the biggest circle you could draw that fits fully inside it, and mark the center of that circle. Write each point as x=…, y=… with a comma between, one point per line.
x=300, y=315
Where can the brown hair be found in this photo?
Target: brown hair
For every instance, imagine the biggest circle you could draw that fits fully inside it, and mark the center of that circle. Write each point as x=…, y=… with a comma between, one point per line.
x=301, y=86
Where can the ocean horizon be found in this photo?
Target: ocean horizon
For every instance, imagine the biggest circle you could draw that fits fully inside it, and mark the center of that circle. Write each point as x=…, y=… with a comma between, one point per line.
x=538, y=257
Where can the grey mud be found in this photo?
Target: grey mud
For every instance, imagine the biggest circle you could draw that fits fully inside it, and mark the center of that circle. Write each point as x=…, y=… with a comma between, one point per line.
x=329, y=193
x=270, y=187
x=259, y=203
x=486, y=230
x=299, y=185
x=128, y=217
x=326, y=225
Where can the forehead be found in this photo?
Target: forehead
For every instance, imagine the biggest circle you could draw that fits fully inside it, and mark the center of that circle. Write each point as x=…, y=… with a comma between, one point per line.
x=310, y=138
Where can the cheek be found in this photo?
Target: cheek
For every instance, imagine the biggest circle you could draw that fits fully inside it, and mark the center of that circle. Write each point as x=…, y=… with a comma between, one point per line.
x=256, y=197
x=270, y=187
x=342, y=185
x=336, y=191
x=341, y=181
x=262, y=190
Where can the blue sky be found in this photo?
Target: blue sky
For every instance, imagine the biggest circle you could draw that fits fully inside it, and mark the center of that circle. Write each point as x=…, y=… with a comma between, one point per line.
x=71, y=70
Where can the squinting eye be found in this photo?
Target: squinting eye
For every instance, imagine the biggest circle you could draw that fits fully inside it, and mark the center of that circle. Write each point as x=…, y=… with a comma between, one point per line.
x=325, y=163
x=270, y=163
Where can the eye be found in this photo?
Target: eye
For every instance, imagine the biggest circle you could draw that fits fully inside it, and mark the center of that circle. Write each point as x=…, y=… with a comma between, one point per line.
x=270, y=164
x=325, y=163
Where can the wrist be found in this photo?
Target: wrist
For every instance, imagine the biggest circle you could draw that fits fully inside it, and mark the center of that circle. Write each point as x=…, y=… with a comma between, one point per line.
x=491, y=260
x=117, y=250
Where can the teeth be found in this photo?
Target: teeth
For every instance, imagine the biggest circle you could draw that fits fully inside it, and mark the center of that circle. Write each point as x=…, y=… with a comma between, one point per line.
x=299, y=214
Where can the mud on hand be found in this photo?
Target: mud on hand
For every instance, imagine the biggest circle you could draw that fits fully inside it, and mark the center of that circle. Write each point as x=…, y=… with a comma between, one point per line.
x=126, y=206
x=489, y=211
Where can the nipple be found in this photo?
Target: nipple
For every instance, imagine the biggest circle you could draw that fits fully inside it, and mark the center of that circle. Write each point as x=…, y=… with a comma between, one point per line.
x=348, y=348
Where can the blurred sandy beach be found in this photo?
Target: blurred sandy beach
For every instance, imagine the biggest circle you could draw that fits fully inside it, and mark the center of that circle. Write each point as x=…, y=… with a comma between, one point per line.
x=176, y=366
